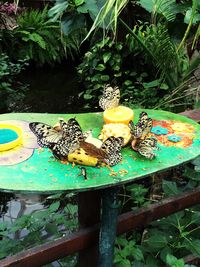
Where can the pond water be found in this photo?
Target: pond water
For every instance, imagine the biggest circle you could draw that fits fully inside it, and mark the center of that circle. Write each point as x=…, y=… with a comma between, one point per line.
x=51, y=90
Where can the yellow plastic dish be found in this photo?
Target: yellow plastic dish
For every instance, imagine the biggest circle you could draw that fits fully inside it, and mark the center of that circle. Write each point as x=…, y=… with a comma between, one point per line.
x=12, y=144
x=120, y=114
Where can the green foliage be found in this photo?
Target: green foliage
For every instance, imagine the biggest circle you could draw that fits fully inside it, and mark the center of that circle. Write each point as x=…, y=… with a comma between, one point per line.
x=126, y=251
x=58, y=219
x=165, y=241
x=155, y=42
x=114, y=63
x=73, y=14
x=9, y=86
x=168, y=240
x=39, y=39
x=137, y=194
x=162, y=8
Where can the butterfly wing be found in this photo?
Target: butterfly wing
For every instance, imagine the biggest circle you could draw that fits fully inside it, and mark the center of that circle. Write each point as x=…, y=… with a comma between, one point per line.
x=112, y=147
x=146, y=128
x=147, y=146
x=110, y=97
x=142, y=128
x=64, y=147
x=46, y=135
x=72, y=135
x=61, y=143
x=72, y=129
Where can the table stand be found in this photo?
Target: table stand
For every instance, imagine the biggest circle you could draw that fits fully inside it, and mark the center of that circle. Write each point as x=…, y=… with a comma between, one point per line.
x=89, y=206
x=110, y=207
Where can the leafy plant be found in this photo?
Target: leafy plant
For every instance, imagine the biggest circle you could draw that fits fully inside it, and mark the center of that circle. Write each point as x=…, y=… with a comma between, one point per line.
x=137, y=194
x=39, y=227
x=8, y=84
x=112, y=62
x=39, y=39
x=154, y=42
x=73, y=14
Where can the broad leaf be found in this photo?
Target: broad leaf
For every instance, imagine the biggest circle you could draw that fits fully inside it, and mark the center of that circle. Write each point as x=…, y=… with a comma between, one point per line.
x=56, y=11
x=157, y=242
x=79, y=2
x=164, y=252
x=54, y=207
x=188, y=15
x=89, y=6
x=51, y=228
x=165, y=7
x=193, y=246
x=170, y=188
x=174, y=262
x=154, y=83
x=72, y=22
x=106, y=56
x=137, y=254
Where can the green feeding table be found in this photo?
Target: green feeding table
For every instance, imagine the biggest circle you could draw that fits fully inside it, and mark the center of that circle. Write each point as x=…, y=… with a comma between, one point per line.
x=26, y=168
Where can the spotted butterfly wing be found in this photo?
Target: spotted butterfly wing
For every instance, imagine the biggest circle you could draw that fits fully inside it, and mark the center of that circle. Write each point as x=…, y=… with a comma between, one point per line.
x=61, y=143
x=72, y=129
x=136, y=132
x=146, y=147
x=64, y=147
x=142, y=128
x=112, y=147
x=46, y=134
x=110, y=97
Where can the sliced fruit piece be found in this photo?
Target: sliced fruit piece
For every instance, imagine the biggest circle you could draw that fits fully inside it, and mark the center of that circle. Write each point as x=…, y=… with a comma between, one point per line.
x=88, y=153
x=79, y=156
x=116, y=130
x=119, y=114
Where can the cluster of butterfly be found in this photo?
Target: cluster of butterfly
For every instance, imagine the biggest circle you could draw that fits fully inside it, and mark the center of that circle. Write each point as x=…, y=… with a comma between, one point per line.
x=140, y=141
x=71, y=137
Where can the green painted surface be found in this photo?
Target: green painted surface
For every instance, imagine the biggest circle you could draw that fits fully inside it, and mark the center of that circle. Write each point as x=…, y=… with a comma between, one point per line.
x=42, y=173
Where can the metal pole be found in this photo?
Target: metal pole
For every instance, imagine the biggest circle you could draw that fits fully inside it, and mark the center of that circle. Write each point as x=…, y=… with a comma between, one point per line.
x=108, y=226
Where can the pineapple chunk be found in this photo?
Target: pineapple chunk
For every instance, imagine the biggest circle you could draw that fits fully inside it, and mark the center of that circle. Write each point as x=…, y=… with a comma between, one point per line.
x=116, y=130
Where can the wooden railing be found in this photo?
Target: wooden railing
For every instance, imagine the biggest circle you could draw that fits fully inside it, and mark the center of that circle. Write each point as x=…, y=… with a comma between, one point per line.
x=87, y=238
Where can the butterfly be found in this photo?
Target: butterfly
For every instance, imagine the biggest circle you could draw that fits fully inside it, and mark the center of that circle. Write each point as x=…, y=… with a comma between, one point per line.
x=146, y=147
x=142, y=128
x=141, y=143
x=110, y=97
x=112, y=147
x=60, y=142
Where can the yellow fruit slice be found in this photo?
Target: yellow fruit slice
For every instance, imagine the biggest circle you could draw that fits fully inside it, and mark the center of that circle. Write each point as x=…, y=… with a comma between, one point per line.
x=79, y=156
x=119, y=114
x=116, y=130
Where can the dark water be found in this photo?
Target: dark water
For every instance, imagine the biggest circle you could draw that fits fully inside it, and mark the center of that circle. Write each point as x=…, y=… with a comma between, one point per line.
x=51, y=90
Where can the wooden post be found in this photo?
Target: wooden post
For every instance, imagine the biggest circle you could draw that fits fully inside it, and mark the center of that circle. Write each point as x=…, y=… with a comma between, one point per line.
x=89, y=205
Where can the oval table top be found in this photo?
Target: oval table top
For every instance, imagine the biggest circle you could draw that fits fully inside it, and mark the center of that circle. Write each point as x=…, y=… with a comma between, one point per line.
x=29, y=169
